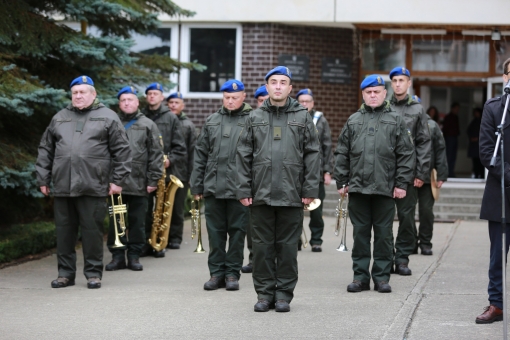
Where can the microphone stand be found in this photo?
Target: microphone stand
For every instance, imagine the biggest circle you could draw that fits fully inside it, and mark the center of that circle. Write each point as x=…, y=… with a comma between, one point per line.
x=500, y=144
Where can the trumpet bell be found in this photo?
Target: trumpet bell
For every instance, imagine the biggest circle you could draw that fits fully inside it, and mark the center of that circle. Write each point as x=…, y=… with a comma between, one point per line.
x=313, y=205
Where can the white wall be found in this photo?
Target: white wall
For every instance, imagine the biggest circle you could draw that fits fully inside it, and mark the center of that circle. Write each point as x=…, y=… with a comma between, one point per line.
x=346, y=12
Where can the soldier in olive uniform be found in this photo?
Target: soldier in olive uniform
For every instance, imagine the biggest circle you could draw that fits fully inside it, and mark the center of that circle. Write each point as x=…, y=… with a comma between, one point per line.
x=214, y=178
x=426, y=201
x=416, y=121
x=374, y=161
x=175, y=102
x=174, y=147
x=260, y=95
x=147, y=152
x=85, y=153
x=305, y=98
x=278, y=164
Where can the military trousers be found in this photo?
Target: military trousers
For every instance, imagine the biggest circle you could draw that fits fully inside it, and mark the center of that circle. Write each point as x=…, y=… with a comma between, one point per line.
x=134, y=238
x=87, y=213
x=369, y=212
x=316, y=221
x=405, y=243
x=149, y=216
x=275, y=235
x=249, y=242
x=177, y=222
x=225, y=218
x=425, y=209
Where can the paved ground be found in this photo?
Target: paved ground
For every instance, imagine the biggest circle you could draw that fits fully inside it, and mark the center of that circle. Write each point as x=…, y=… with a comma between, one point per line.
x=166, y=301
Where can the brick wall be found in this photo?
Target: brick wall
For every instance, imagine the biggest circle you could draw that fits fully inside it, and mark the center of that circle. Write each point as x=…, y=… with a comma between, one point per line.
x=263, y=42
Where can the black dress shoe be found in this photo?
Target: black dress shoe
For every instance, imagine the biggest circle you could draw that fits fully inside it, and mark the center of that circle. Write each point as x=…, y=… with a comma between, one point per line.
x=247, y=269
x=214, y=283
x=134, y=264
x=426, y=250
x=382, y=287
x=158, y=254
x=94, y=283
x=116, y=264
x=232, y=283
x=263, y=305
x=173, y=246
x=316, y=248
x=62, y=282
x=357, y=286
x=282, y=306
x=402, y=269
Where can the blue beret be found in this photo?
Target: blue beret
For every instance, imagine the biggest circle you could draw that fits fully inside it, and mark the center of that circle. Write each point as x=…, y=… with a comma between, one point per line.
x=127, y=89
x=416, y=98
x=175, y=95
x=154, y=86
x=400, y=71
x=82, y=80
x=371, y=81
x=304, y=91
x=279, y=70
x=261, y=91
x=232, y=85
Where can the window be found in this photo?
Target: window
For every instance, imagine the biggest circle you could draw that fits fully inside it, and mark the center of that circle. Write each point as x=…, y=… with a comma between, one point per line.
x=383, y=54
x=450, y=56
x=216, y=47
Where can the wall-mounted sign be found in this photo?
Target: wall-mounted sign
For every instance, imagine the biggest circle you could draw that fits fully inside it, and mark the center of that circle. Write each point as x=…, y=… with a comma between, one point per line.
x=299, y=65
x=337, y=70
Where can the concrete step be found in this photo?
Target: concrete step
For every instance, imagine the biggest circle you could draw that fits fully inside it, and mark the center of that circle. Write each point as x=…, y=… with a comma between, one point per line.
x=459, y=199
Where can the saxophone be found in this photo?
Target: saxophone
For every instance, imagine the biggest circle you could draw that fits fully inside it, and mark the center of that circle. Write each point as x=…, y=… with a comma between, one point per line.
x=162, y=215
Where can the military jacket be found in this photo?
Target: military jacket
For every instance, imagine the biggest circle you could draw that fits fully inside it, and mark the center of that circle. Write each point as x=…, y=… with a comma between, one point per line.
x=214, y=165
x=416, y=121
x=324, y=134
x=437, y=152
x=188, y=132
x=147, y=151
x=80, y=149
x=374, y=153
x=173, y=141
x=278, y=157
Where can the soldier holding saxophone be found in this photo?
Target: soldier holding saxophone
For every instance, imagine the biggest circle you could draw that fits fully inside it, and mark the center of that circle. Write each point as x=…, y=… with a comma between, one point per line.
x=147, y=168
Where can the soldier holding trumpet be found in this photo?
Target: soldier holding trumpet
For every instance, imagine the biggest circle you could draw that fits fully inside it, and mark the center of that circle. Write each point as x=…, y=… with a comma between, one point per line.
x=374, y=163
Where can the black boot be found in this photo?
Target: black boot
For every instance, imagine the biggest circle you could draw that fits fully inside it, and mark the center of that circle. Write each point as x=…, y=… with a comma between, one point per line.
x=214, y=283
x=134, y=264
x=116, y=264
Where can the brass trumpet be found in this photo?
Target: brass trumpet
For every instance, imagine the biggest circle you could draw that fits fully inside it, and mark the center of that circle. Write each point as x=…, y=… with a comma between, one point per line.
x=196, y=225
x=342, y=213
x=117, y=212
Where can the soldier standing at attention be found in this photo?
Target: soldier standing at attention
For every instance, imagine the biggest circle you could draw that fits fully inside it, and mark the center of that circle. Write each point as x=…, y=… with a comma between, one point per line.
x=374, y=165
x=278, y=165
x=261, y=95
x=415, y=119
x=174, y=148
x=214, y=178
x=85, y=153
x=426, y=201
x=175, y=102
x=147, y=152
x=305, y=98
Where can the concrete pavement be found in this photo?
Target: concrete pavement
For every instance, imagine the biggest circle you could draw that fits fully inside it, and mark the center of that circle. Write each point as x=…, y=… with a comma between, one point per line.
x=166, y=300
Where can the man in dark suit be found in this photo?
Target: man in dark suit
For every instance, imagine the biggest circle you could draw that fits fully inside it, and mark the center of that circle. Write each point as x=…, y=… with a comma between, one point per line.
x=491, y=203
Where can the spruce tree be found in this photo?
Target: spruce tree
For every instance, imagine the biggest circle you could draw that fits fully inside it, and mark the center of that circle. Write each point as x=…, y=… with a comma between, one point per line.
x=39, y=56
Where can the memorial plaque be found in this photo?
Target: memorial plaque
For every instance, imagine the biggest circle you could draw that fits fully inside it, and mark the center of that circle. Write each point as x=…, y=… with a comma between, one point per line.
x=336, y=70
x=299, y=65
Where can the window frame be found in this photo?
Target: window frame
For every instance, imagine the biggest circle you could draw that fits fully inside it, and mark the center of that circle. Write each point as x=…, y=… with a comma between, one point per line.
x=185, y=55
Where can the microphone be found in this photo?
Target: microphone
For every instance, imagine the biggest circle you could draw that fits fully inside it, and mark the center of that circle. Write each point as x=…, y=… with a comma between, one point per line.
x=507, y=87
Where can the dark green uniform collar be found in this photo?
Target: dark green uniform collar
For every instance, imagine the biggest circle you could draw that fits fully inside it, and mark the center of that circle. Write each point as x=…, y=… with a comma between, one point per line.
x=127, y=117
x=242, y=110
x=94, y=106
x=182, y=116
x=383, y=107
x=408, y=100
